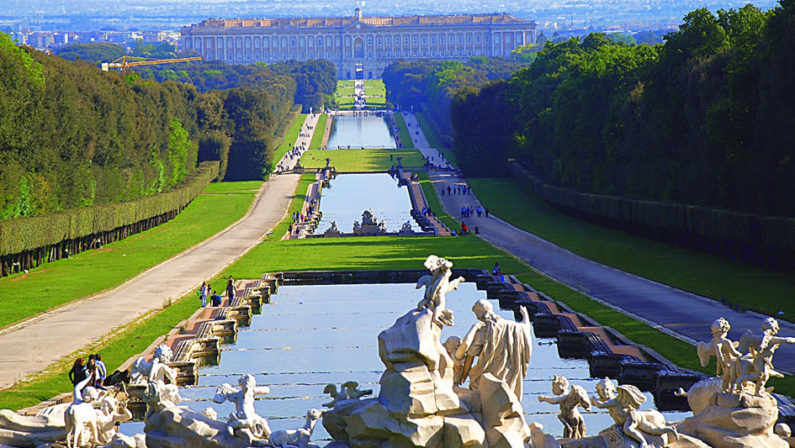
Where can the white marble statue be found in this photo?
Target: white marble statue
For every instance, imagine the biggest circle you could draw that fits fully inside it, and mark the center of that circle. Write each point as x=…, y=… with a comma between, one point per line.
x=160, y=396
x=502, y=348
x=724, y=350
x=760, y=368
x=245, y=418
x=297, y=437
x=569, y=400
x=622, y=404
x=437, y=284
x=333, y=230
x=80, y=417
x=110, y=413
x=349, y=390
x=157, y=369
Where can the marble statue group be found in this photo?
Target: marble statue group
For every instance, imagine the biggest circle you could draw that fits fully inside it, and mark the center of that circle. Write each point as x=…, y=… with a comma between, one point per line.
x=464, y=392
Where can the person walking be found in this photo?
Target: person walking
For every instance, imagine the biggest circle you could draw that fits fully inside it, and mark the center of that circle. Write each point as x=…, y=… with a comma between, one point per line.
x=203, y=294
x=230, y=289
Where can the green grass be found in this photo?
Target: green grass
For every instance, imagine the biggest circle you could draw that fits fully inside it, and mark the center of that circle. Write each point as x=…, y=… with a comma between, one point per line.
x=361, y=160
x=60, y=282
x=127, y=342
x=405, y=137
x=432, y=197
x=752, y=287
x=378, y=102
x=317, y=136
x=133, y=338
x=433, y=138
x=374, y=87
x=343, y=95
x=288, y=142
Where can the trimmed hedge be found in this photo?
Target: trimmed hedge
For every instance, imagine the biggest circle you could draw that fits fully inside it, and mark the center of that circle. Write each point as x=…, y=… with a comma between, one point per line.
x=29, y=234
x=765, y=240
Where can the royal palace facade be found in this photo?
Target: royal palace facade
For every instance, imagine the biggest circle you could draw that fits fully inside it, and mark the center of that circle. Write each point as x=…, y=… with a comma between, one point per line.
x=360, y=47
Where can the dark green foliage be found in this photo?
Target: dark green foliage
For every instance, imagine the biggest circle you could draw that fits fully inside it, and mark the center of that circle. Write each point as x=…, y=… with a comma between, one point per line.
x=93, y=53
x=430, y=85
x=706, y=118
x=315, y=81
x=160, y=50
x=19, y=235
x=73, y=136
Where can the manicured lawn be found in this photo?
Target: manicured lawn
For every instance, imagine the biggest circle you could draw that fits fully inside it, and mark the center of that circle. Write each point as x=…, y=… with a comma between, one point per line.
x=405, y=137
x=749, y=286
x=317, y=136
x=433, y=138
x=343, y=94
x=432, y=197
x=376, y=102
x=136, y=336
x=361, y=160
x=127, y=342
x=289, y=139
x=374, y=87
x=57, y=283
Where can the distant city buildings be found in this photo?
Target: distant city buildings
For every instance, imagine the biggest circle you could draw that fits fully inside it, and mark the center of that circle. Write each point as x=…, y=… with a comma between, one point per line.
x=49, y=40
x=360, y=46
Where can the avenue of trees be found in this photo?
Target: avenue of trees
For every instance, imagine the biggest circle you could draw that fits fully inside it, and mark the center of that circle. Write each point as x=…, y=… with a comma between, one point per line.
x=315, y=80
x=707, y=118
x=73, y=136
x=431, y=85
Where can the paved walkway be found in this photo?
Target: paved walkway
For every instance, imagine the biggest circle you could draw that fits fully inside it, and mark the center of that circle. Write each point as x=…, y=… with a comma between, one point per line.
x=677, y=312
x=292, y=156
x=421, y=143
x=34, y=345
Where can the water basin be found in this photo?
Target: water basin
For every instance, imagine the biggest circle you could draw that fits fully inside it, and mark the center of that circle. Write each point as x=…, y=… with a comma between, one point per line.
x=368, y=131
x=313, y=335
x=351, y=194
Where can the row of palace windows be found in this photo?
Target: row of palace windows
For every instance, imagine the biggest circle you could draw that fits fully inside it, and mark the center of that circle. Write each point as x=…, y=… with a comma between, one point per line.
x=249, y=55
x=450, y=40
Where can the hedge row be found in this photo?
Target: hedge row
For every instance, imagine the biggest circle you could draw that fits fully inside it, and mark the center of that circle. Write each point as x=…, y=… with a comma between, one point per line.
x=764, y=239
x=27, y=234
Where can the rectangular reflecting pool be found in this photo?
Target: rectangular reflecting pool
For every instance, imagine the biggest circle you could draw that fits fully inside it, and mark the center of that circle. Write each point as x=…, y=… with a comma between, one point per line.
x=351, y=194
x=313, y=335
x=360, y=131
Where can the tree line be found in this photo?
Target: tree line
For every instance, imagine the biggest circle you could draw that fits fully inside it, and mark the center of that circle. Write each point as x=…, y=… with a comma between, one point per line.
x=430, y=85
x=706, y=118
x=73, y=136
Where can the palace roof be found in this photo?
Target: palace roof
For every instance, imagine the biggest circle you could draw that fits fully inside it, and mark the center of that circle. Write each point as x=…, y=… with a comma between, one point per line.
x=322, y=22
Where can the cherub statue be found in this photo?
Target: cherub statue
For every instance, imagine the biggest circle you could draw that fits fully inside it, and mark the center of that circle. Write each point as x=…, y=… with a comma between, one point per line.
x=155, y=370
x=623, y=405
x=724, y=350
x=297, y=437
x=348, y=391
x=761, y=367
x=244, y=418
x=437, y=285
x=160, y=396
x=111, y=412
x=573, y=423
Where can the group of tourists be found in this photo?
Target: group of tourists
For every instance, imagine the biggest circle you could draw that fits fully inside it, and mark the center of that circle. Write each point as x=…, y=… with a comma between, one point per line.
x=204, y=292
x=470, y=211
x=496, y=272
x=94, y=370
x=457, y=189
x=297, y=151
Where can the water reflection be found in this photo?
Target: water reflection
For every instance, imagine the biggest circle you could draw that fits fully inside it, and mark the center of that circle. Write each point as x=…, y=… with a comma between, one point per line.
x=351, y=194
x=313, y=335
x=368, y=131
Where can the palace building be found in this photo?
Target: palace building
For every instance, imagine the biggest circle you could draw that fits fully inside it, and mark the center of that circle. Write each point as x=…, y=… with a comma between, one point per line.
x=359, y=46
